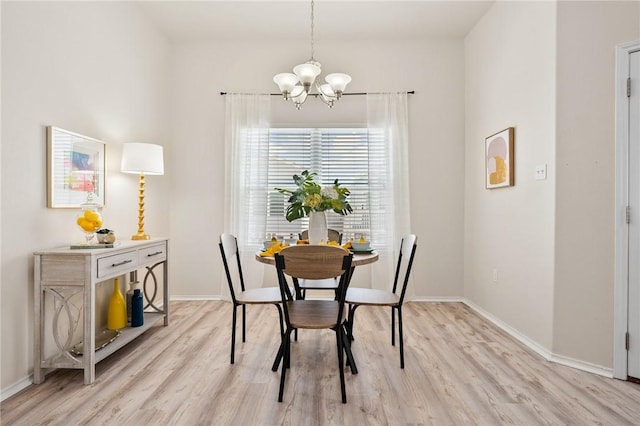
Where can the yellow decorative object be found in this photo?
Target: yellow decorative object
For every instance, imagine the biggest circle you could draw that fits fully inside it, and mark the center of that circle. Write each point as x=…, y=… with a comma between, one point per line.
x=336, y=244
x=117, y=314
x=273, y=249
x=500, y=175
x=89, y=220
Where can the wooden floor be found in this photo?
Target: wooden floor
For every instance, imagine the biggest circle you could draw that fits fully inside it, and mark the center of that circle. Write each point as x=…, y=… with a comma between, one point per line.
x=459, y=370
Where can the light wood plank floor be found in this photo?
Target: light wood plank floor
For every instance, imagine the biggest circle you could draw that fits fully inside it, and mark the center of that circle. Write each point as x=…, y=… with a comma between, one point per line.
x=459, y=369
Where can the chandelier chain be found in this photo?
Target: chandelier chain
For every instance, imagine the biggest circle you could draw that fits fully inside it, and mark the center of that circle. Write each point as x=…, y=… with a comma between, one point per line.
x=312, y=28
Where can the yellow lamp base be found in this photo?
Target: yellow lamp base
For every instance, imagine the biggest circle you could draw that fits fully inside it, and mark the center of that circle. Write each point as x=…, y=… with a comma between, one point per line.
x=141, y=237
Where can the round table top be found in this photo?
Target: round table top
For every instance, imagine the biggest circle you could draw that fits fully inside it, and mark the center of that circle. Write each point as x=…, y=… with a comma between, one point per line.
x=359, y=259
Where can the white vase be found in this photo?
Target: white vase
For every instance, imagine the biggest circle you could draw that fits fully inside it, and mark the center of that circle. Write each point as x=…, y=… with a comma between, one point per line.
x=317, y=227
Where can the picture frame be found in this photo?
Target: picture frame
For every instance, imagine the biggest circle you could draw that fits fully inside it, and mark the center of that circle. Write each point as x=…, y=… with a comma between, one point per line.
x=499, y=164
x=75, y=168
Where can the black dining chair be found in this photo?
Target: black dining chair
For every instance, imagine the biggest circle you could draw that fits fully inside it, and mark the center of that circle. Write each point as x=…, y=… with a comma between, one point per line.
x=314, y=262
x=240, y=296
x=394, y=298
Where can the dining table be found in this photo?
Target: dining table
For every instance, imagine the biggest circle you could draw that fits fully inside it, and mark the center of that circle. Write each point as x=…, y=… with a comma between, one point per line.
x=360, y=258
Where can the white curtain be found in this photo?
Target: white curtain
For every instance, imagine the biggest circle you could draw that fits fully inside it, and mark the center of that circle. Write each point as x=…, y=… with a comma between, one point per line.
x=388, y=123
x=246, y=159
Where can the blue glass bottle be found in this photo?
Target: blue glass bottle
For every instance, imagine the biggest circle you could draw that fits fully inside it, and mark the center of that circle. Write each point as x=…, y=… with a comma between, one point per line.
x=137, y=313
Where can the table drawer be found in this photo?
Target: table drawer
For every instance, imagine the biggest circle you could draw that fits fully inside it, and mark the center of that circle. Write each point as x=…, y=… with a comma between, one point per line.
x=117, y=263
x=153, y=254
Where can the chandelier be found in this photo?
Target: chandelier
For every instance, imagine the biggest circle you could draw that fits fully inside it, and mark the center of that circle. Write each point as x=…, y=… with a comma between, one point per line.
x=296, y=86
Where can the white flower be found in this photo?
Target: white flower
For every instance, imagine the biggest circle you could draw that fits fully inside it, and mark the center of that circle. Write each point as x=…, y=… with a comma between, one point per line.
x=330, y=192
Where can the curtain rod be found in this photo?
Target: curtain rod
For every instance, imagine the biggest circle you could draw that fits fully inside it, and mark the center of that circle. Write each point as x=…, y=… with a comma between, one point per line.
x=411, y=92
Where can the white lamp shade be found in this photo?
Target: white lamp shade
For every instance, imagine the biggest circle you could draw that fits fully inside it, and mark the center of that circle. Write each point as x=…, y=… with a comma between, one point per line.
x=143, y=158
x=285, y=81
x=338, y=81
x=326, y=90
x=307, y=72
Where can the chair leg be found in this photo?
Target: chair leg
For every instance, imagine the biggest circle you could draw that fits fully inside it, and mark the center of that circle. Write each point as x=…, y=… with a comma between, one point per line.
x=244, y=320
x=393, y=326
x=350, y=320
x=400, y=337
x=276, y=362
x=340, y=341
x=279, y=355
x=286, y=343
x=233, y=332
x=347, y=349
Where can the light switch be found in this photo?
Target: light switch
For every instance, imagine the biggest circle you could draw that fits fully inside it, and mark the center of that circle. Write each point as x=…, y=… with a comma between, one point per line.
x=541, y=172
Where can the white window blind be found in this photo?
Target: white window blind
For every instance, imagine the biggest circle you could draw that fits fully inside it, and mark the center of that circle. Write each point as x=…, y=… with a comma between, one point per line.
x=333, y=153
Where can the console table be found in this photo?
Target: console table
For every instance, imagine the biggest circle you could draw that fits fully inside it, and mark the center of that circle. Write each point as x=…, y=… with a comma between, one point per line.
x=62, y=274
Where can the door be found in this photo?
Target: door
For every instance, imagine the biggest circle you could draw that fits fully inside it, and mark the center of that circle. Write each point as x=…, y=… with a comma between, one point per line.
x=633, y=326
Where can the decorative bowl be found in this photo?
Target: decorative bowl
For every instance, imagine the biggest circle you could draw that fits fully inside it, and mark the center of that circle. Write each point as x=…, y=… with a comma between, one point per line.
x=358, y=246
x=269, y=243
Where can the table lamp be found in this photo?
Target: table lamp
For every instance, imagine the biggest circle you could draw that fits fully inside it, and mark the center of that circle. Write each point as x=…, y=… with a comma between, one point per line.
x=144, y=159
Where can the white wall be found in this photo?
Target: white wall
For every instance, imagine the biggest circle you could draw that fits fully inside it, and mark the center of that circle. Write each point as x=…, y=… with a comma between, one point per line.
x=585, y=195
x=96, y=68
x=434, y=69
x=510, y=65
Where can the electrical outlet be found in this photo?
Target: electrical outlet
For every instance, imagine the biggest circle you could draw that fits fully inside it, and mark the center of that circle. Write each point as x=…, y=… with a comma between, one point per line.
x=541, y=172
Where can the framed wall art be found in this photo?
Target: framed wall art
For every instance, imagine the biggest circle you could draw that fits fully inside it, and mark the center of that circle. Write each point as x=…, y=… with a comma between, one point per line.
x=75, y=167
x=498, y=150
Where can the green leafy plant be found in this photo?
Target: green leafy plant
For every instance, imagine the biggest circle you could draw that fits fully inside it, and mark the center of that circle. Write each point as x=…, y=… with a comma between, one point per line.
x=309, y=197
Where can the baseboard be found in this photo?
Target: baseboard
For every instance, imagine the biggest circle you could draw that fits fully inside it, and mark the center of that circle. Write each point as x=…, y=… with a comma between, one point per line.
x=539, y=349
x=187, y=298
x=448, y=299
x=531, y=344
x=15, y=388
x=581, y=365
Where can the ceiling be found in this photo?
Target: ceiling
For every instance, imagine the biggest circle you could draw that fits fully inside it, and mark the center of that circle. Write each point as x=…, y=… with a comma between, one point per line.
x=183, y=20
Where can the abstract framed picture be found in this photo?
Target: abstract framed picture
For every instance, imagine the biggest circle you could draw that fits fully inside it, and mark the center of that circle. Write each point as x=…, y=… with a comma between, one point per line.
x=498, y=150
x=75, y=168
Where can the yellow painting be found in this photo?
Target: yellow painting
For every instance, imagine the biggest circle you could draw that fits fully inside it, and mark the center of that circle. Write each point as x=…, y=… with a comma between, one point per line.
x=499, y=159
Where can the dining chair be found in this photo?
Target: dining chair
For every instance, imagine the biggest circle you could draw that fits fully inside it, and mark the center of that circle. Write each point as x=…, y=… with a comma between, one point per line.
x=372, y=297
x=240, y=296
x=333, y=235
x=314, y=262
x=328, y=284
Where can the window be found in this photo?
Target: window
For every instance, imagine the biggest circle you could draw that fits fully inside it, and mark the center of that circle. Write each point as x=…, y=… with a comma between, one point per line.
x=333, y=153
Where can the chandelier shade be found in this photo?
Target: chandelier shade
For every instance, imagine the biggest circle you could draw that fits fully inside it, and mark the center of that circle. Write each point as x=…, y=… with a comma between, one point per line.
x=297, y=86
x=286, y=83
x=338, y=82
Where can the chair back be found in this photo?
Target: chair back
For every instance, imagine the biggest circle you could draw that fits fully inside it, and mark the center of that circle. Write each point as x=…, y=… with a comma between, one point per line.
x=313, y=262
x=405, y=261
x=229, y=250
x=333, y=235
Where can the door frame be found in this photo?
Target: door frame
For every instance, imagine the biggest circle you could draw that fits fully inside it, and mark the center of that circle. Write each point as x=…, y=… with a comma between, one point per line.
x=621, y=285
